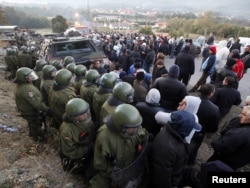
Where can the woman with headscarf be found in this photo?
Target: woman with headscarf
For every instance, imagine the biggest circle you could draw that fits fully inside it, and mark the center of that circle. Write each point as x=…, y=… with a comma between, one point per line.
x=148, y=109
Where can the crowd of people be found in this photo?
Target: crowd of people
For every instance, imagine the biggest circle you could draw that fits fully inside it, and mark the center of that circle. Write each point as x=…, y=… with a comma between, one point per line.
x=135, y=124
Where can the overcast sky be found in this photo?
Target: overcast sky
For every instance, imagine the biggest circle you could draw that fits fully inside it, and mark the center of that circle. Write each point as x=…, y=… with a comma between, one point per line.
x=210, y=5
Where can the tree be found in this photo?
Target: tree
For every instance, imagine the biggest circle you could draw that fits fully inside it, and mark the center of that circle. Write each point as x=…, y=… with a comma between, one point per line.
x=146, y=30
x=34, y=22
x=3, y=19
x=59, y=24
x=207, y=22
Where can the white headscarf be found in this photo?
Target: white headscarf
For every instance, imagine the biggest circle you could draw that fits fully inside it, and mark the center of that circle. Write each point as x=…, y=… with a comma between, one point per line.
x=153, y=96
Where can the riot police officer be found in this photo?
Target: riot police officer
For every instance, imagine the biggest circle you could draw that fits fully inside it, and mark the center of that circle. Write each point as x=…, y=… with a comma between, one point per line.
x=107, y=82
x=77, y=136
x=12, y=62
x=57, y=64
x=67, y=60
x=122, y=93
x=80, y=72
x=24, y=58
x=48, y=75
x=60, y=93
x=120, y=149
x=88, y=89
x=38, y=70
x=29, y=101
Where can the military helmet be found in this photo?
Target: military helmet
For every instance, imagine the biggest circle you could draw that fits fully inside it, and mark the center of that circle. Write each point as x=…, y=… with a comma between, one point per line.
x=24, y=49
x=80, y=70
x=126, y=116
x=71, y=67
x=40, y=63
x=76, y=107
x=10, y=51
x=92, y=76
x=108, y=80
x=33, y=48
x=57, y=64
x=124, y=92
x=49, y=71
x=63, y=77
x=25, y=74
x=67, y=60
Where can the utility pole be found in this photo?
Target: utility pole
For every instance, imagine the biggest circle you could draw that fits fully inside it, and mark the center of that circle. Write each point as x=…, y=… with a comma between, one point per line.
x=119, y=25
x=88, y=10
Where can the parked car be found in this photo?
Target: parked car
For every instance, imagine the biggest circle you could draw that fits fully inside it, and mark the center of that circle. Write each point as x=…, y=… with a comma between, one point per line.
x=82, y=49
x=197, y=48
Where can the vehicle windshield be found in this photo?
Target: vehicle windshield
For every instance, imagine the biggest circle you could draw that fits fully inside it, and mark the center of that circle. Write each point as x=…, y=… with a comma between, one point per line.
x=74, y=47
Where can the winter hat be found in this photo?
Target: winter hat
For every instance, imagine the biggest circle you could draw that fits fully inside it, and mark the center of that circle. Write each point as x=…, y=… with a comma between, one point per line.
x=153, y=96
x=230, y=62
x=174, y=71
x=122, y=74
x=184, y=122
x=192, y=104
x=235, y=53
x=213, y=49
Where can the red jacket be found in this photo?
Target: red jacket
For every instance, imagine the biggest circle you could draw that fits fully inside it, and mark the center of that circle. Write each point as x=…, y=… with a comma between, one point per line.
x=238, y=68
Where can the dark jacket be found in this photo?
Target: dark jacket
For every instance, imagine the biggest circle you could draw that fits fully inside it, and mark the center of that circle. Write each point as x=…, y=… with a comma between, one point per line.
x=172, y=92
x=164, y=48
x=219, y=77
x=148, y=111
x=140, y=91
x=158, y=73
x=235, y=45
x=225, y=97
x=246, y=60
x=208, y=115
x=169, y=155
x=185, y=62
x=150, y=57
x=233, y=147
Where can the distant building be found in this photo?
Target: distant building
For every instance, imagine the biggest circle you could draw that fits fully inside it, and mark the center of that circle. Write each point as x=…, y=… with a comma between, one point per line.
x=160, y=25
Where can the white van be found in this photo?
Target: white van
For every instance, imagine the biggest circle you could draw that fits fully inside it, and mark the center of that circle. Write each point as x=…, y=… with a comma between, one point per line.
x=244, y=41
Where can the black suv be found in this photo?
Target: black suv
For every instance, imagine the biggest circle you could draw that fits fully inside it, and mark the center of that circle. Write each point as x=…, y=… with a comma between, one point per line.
x=82, y=49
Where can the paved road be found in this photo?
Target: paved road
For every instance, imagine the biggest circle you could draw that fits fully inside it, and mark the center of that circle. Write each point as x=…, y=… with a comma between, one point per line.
x=244, y=85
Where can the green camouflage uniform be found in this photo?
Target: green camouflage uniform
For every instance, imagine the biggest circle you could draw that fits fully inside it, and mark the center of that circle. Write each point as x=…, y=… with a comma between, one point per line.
x=98, y=101
x=37, y=82
x=72, y=144
x=77, y=85
x=87, y=94
x=25, y=60
x=45, y=87
x=113, y=150
x=29, y=103
x=77, y=141
x=58, y=98
x=106, y=110
x=12, y=65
